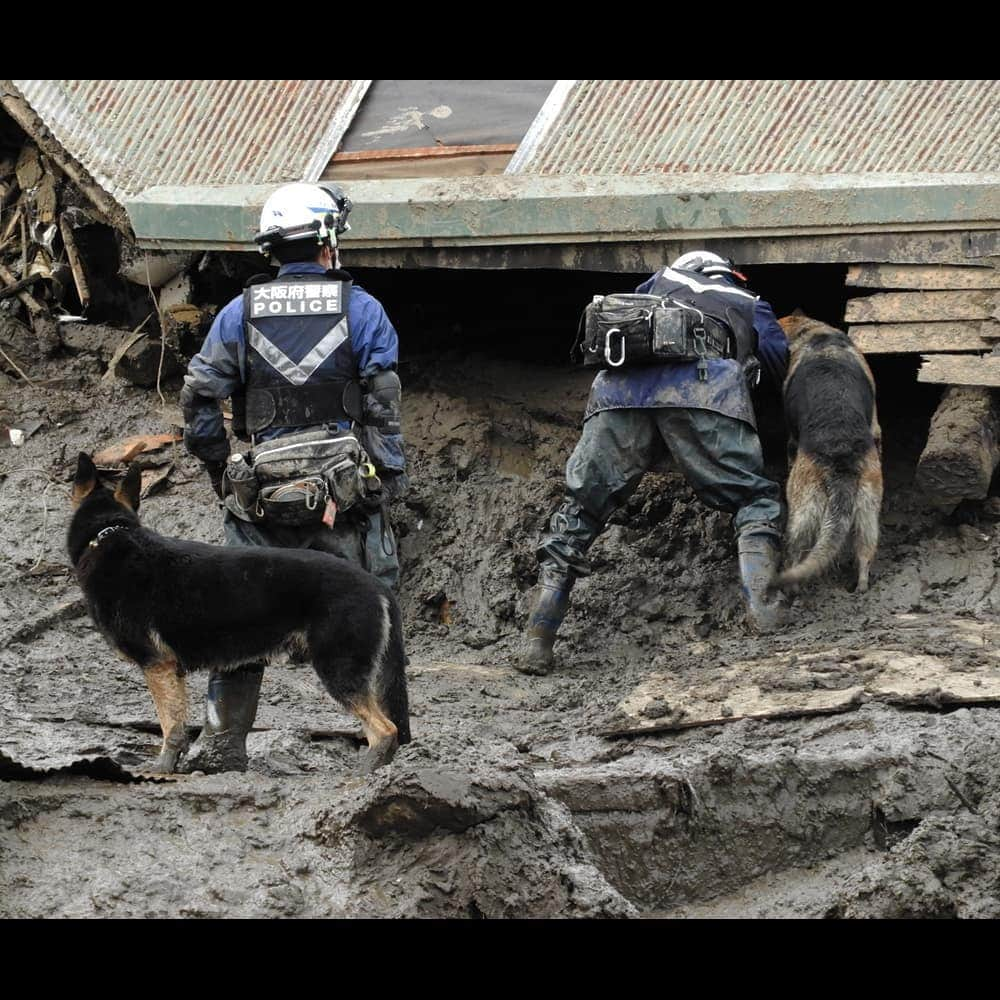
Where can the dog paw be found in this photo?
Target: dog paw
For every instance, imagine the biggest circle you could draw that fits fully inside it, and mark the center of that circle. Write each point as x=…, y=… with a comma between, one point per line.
x=166, y=763
x=378, y=756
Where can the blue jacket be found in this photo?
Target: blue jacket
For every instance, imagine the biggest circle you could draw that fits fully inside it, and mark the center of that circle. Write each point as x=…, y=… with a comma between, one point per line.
x=220, y=368
x=725, y=391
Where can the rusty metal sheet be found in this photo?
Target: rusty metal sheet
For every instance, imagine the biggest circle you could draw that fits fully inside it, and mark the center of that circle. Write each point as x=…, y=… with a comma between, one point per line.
x=135, y=134
x=833, y=680
x=763, y=126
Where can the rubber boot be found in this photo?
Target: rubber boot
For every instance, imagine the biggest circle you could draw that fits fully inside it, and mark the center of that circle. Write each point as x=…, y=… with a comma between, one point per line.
x=230, y=708
x=547, y=614
x=759, y=557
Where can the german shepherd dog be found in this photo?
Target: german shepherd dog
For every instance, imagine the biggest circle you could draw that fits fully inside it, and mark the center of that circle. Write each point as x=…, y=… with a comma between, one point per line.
x=172, y=606
x=835, y=483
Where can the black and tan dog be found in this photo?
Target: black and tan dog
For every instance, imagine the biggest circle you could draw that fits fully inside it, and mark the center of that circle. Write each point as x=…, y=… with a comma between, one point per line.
x=835, y=484
x=172, y=606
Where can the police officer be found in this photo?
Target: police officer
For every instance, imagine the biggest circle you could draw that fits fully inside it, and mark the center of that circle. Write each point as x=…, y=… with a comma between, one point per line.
x=305, y=350
x=702, y=410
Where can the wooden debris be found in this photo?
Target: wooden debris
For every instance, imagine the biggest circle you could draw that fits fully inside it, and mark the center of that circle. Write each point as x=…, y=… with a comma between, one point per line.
x=917, y=338
x=125, y=451
x=945, y=369
x=22, y=113
x=140, y=364
x=963, y=447
x=133, y=338
x=12, y=223
x=21, y=285
x=75, y=263
x=791, y=684
x=921, y=307
x=35, y=308
x=922, y=276
x=70, y=609
x=45, y=199
x=155, y=480
x=29, y=167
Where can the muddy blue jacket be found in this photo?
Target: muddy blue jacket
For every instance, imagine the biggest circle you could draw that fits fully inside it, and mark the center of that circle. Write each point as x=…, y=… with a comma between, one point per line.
x=220, y=369
x=725, y=391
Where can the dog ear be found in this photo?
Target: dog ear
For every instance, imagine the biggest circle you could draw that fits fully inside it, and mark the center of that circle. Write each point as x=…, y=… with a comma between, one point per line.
x=130, y=487
x=85, y=479
x=797, y=312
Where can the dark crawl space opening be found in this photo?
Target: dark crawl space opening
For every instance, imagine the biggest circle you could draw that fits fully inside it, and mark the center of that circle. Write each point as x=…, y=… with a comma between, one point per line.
x=445, y=315
x=532, y=316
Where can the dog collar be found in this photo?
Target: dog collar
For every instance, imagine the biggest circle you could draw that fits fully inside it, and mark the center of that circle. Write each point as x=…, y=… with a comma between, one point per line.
x=103, y=533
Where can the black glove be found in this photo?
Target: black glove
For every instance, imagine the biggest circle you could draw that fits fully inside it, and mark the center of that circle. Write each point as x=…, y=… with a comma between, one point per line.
x=215, y=471
x=394, y=484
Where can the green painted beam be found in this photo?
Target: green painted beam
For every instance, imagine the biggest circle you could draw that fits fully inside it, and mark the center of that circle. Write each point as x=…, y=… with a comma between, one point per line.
x=524, y=209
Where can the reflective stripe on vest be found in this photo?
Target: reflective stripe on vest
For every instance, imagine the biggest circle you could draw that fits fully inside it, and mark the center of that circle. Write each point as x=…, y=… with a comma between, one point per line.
x=299, y=373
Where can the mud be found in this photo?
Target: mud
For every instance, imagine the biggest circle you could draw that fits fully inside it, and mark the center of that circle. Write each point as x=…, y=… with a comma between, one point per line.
x=509, y=802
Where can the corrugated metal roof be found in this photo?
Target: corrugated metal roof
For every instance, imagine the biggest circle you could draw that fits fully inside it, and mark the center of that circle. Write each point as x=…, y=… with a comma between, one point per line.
x=764, y=127
x=136, y=134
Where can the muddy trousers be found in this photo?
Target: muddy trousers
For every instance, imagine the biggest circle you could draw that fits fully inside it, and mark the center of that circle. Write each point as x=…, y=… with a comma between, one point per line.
x=231, y=701
x=719, y=456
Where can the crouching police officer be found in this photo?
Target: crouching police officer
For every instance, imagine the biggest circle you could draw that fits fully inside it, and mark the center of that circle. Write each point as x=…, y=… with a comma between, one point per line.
x=700, y=408
x=309, y=360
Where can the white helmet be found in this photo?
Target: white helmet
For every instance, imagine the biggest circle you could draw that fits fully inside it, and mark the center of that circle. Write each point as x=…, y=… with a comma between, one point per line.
x=299, y=212
x=707, y=263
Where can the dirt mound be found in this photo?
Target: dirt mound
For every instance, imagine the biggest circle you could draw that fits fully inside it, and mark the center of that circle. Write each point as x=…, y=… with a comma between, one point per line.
x=509, y=801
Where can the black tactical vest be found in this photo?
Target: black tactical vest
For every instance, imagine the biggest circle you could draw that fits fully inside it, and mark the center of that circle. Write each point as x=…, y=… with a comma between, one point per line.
x=301, y=368
x=731, y=306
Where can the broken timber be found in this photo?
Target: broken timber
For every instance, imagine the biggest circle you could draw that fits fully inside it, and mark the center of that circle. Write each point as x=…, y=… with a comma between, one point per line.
x=963, y=446
x=915, y=338
x=921, y=307
x=917, y=276
x=951, y=309
x=961, y=370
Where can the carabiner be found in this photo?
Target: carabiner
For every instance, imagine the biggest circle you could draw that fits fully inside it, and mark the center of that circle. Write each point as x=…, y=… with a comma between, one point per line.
x=607, y=348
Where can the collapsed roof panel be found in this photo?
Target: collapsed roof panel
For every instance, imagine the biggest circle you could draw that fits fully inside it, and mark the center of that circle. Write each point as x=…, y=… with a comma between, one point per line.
x=635, y=127
x=136, y=134
x=473, y=211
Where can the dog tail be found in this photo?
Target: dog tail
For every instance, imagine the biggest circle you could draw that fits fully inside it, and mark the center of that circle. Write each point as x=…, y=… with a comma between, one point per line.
x=397, y=702
x=834, y=530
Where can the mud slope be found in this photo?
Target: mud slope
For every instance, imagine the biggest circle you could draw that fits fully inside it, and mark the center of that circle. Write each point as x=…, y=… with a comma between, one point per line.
x=509, y=802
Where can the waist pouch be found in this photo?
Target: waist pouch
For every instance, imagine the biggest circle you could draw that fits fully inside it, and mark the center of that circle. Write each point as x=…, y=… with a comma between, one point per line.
x=298, y=473
x=620, y=330
x=300, y=502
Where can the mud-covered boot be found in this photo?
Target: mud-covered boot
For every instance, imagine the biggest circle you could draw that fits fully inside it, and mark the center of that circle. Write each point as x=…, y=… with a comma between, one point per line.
x=547, y=614
x=759, y=558
x=230, y=708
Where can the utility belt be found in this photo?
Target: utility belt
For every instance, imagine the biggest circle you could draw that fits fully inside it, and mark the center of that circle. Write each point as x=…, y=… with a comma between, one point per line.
x=301, y=479
x=631, y=329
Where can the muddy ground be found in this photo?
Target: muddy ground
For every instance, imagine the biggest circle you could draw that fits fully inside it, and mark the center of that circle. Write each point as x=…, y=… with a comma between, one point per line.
x=510, y=801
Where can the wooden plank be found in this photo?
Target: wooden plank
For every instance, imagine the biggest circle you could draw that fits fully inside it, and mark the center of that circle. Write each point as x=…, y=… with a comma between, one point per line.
x=963, y=370
x=467, y=165
x=919, y=307
x=921, y=276
x=793, y=684
x=920, y=338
